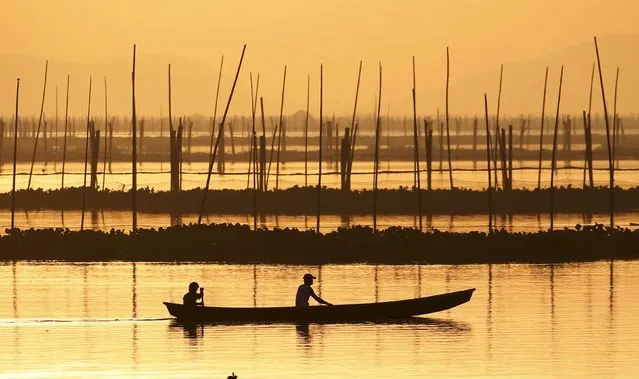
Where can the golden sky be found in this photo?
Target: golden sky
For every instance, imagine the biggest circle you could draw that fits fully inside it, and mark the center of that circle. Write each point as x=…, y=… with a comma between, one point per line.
x=482, y=34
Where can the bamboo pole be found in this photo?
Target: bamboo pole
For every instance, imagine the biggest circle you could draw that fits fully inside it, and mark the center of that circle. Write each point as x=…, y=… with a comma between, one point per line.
x=376, y=164
x=15, y=153
x=497, y=133
x=270, y=158
x=86, y=157
x=262, y=148
x=614, y=120
x=510, y=157
x=134, y=165
x=220, y=133
x=172, y=141
x=610, y=161
x=253, y=110
x=541, y=130
x=450, y=167
x=57, y=146
x=319, y=160
x=490, y=186
x=349, y=169
x=554, y=154
x=428, y=134
x=66, y=124
x=279, y=139
x=308, y=98
x=35, y=145
x=418, y=188
x=217, y=94
x=106, y=126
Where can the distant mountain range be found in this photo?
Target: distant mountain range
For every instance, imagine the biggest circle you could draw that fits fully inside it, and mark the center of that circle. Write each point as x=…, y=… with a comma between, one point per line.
x=521, y=93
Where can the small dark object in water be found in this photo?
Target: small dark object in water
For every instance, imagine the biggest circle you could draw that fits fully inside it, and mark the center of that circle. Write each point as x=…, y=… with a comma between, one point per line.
x=232, y=376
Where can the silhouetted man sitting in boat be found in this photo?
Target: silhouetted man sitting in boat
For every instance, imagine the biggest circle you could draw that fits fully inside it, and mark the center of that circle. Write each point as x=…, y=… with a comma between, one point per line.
x=305, y=291
x=190, y=298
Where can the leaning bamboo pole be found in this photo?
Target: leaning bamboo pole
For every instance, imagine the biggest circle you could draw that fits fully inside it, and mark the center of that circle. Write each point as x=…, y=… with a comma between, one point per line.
x=497, y=132
x=217, y=94
x=253, y=110
x=554, y=154
x=106, y=126
x=541, y=130
x=615, y=135
x=490, y=186
x=587, y=162
x=66, y=124
x=349, y=169
x=319, y=160
x=134, y=163
x=279, y=139
x=217, y=142
x=308, y=99
x=610, y=162
x=35, y=145
x=450, y=167
x=376, y=163
x=418, y=188
x=86, y=157
x=15, y=153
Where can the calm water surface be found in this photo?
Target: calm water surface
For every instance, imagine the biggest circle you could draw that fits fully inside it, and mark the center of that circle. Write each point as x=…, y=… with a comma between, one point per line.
x=79, y=320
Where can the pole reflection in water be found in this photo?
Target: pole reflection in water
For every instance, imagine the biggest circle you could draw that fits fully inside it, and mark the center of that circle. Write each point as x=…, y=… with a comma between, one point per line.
x=489, y=314
x=134, y=312
x=376, y=279
x=254, y=286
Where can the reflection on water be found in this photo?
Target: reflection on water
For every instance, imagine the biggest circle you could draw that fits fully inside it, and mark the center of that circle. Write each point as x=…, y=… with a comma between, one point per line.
x=99, y=319
x=454, y=223
x=395, y=174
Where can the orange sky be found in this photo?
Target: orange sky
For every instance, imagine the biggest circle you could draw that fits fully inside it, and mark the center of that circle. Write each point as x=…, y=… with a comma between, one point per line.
x=300, y=34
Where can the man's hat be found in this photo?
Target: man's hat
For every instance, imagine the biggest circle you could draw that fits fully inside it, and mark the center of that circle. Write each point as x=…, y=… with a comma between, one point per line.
x=309, y=276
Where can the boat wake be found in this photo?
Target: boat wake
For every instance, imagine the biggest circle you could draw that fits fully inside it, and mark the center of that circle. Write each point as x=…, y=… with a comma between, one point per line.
x=13, y=321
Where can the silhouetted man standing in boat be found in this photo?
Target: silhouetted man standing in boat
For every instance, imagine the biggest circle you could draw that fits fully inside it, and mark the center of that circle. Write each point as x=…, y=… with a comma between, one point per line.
x=190, y=298
x=305, y=291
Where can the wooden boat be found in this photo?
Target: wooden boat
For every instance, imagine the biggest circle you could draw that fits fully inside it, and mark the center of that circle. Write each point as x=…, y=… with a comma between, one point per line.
x=348, y=312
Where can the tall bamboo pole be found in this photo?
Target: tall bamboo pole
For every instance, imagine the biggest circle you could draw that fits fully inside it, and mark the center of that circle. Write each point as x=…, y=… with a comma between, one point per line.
x=308, y=99
x=610, y=162
x=86, y=157
x=219, y=135
x=614, y=120
x=15, y=153
x=66, y=124
x=376, y=164
x=35, y=145
x=279, y=139
x=253, y=111
x=106, y=127
x=134, y=162
x=450, y=166
x=587, y=162
x=490, y=186
x=554, y=154
x=418, y=188
x=541, y=130
x=319, y=160
x=497, y=133
x=349, y=169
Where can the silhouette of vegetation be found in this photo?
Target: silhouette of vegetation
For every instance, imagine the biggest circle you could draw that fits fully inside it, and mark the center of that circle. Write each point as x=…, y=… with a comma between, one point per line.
x=237, y=243
x=302, y=200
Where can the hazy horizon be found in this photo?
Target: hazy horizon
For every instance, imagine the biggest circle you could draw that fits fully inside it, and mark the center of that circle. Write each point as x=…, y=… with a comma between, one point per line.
x=83, y=38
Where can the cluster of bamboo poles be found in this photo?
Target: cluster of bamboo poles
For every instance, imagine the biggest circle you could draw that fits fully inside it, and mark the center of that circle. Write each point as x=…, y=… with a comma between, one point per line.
x=498, y=148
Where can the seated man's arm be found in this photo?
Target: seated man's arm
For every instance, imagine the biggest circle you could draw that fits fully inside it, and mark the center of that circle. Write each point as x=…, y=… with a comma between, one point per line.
x=319, y=299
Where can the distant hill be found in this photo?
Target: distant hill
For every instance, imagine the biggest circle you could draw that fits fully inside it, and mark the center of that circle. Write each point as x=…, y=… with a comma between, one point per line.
x=523, y=81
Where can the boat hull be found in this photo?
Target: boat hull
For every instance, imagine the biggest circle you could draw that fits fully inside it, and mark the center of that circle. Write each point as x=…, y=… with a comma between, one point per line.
x=349, y=312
